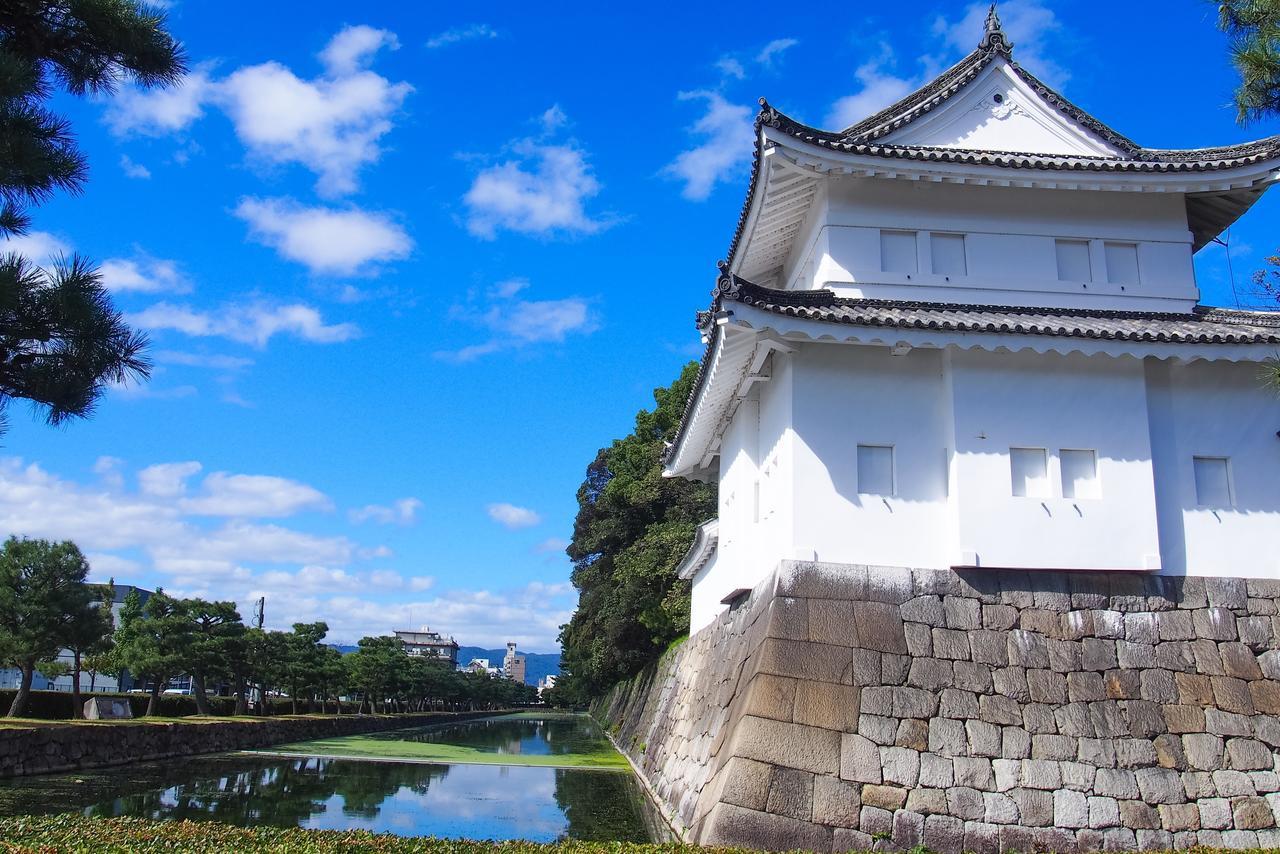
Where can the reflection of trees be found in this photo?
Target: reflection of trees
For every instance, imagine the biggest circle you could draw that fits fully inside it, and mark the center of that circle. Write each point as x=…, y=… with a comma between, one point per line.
x=601, y=806
x=553, y=735
x=280, y=793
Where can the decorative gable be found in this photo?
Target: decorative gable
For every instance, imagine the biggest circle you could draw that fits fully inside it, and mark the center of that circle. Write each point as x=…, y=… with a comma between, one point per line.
x=999, y=111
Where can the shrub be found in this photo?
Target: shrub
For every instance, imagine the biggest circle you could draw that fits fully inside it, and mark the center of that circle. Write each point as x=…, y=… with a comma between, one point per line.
x=56, y=705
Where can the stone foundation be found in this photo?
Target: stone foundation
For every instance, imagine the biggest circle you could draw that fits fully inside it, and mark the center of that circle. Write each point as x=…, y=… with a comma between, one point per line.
x=45, y=749
x=854, y=708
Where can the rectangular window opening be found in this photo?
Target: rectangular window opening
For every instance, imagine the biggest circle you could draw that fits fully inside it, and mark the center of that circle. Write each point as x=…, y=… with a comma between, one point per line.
x=948, y=254
x=875, y=470
x=1213, y=482
x=1030, y=468
x=1079, y=474
x=1073, y=261
x=898, y=252
x=1122, y=263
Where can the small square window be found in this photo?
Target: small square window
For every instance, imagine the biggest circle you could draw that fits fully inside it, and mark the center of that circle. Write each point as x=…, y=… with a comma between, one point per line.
x=875, y=469
x=898, y=252
x=948, y=254
x=1122, y=263
x=1030, y=467
x=1213, y=482
x=1073, y=261
x=1079, y=474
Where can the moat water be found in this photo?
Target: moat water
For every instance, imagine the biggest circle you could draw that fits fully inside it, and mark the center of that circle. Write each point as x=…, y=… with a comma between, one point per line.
x=473, y=801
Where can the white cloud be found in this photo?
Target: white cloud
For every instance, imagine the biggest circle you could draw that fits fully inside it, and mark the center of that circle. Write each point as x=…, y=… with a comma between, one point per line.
x=212, y=361
x=1031, y=25
x=402, y=512
x=731, y=67
x=108, y=470
x=327, y=240
x=133, y=170
x=353, y=47
x=253, y=495
x=879, y=89
x=461, y=34
x=421, y=582
x=552, y=545
x=160, y=111
x=513, y=517
x=167, y=480
x=516, y=323
x=542, y=189
x=144, y=274
x=774, y=50
x=38, y=247
x=249, y=323
x=725, y=150
x=332, y=124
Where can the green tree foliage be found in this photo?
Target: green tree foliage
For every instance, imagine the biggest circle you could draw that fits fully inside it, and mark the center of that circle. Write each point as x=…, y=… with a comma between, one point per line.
x=88, y=632
x=1254, y=29
x=372, y=669
x=61, y=340
x=633, y=527
x=304, y=661
x=215, y=634
x=42, y=593
x=154, y=641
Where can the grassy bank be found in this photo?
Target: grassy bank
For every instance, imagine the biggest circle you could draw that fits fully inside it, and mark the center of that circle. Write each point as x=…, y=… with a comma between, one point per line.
x=73, y=833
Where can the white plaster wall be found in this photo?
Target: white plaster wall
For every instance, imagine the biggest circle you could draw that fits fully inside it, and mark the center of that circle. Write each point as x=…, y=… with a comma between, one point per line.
x=1010, y=244
x=846, y=396
x=710, y=584
x=1024, y=400
x=1216, y=409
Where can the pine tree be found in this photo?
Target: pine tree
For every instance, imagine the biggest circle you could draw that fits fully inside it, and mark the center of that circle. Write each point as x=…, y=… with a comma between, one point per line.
x=1254, y=28
x=61, y=341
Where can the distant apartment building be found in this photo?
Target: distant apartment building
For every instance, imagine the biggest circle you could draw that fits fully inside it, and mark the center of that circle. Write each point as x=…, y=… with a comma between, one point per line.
x=481, y=665
x=546, y=683
x=513, y=666
x=430, y=644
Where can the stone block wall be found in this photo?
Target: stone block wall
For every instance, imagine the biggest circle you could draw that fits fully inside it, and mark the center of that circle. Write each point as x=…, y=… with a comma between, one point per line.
x=853, y=708
x=44, y=749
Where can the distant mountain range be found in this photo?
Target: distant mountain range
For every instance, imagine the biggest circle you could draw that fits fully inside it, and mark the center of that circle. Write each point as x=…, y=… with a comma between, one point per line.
x=537, y=664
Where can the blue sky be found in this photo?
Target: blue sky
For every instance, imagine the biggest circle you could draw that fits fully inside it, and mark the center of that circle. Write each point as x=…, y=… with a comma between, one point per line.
x=406, y=267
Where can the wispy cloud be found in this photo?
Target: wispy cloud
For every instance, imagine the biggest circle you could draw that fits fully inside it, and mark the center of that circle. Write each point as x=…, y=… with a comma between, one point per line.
x=727, y=140
x=255, y=322
x=133, y=170
x=402, y=512
x=38, y=247
x=514, y=322
x=144, y=274
x=513, y=517
x=774, y=51
x=461, y=34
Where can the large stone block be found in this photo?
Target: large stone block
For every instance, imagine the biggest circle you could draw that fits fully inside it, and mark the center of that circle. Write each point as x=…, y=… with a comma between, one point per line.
x=908, y=829
x=1239, y=661
x=936, y=772
x=1252, y=813
x=804, y=748
x=944, y=834
x=1026, y=649
x=931, y=674
x=964, y=802
x=1070, y=809
x=900, y=765
x=770, y=696
x=951, y=644
x=1103, y=812
x=1035, y=808
x=826, y=705
x=1160, y=786
x=913, y=734
x=999, y=808
x=859, y=759
x=1232, y=695
x=879, y=626
x=831, y=622
x=835, y=802
x=924, y=609
x=884, y=797
x=791, y=794
x=927, y=801
x=731, y=826
x=1045, y=686
x=1246, y=754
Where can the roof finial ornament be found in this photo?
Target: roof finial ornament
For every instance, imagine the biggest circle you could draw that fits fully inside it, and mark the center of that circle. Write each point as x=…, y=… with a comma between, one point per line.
x=993, y=37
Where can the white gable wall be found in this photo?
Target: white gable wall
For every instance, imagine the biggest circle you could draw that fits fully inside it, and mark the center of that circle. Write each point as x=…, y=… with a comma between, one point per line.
x=998, y=111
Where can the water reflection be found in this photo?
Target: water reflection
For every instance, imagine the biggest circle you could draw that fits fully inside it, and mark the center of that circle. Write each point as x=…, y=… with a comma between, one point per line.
x=544, y=735
x=471, y=801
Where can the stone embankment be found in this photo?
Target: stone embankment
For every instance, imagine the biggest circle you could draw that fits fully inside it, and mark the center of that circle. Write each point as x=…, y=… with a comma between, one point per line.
x=43, y=749
x=850, y=708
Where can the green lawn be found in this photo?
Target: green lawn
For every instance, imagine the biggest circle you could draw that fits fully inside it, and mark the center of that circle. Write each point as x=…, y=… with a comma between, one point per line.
x=367, y=747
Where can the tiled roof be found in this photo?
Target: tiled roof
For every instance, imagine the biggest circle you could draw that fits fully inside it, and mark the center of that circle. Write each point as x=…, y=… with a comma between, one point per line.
x=1200, y=326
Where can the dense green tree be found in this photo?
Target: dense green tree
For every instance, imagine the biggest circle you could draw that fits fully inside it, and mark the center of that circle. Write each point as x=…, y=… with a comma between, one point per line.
x=154, y=641
x=265, y=654
x=61, y=340
x=42, y=592
x=87, y=633
x=214, y=633
x=372, y=669
x=1254, y=29
x=632, y=528
x=304, y=659
x=102, y=662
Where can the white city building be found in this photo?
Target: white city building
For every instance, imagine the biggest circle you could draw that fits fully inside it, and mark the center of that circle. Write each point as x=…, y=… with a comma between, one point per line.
x=966, y=332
